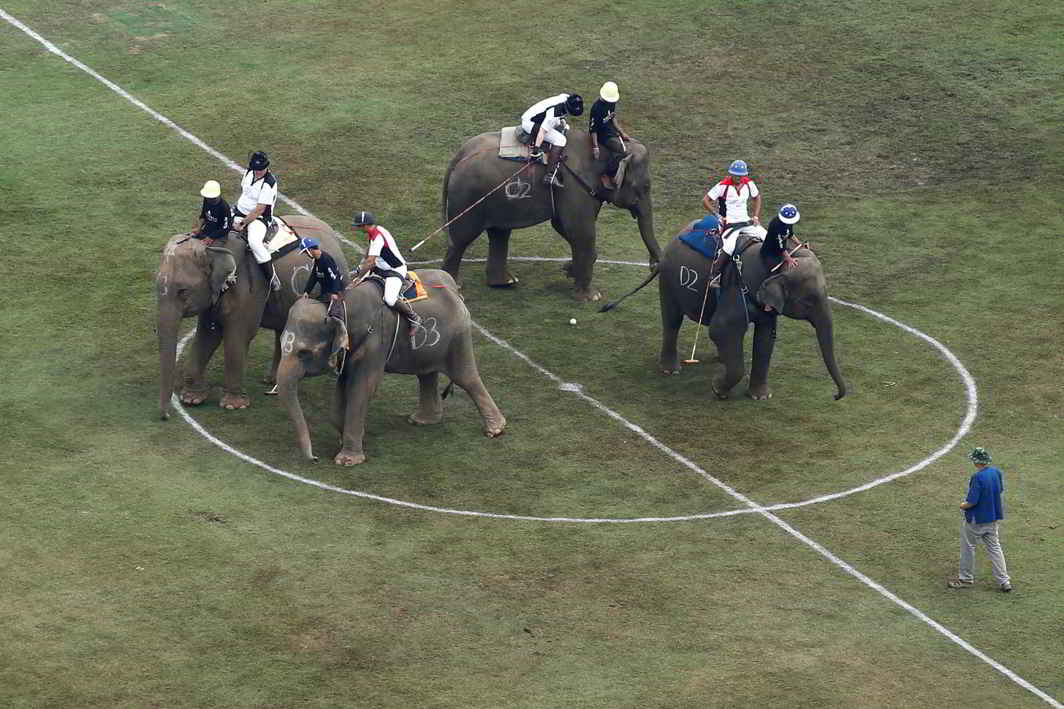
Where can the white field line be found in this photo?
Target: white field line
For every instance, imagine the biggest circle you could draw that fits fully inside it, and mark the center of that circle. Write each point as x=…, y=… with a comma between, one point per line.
x=733, y=493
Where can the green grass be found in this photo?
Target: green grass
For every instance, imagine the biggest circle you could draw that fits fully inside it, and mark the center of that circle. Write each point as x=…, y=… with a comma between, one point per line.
x=144, y=567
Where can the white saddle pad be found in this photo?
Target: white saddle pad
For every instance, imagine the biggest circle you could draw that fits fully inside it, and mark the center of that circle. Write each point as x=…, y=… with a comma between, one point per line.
x=282, y=238
x=509, y=146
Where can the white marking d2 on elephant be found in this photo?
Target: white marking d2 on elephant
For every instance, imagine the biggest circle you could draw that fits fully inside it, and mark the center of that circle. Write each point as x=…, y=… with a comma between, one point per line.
x=224, y=288
x=481, y=180
x=799, y=292
x=380, y=342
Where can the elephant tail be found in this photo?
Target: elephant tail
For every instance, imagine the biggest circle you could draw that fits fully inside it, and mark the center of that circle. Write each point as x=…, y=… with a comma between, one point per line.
x=446, y=183
x=447, y=390
x=613, y=304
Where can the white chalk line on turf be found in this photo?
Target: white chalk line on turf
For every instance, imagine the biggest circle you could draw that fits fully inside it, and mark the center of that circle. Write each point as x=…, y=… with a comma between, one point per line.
x=764, y=512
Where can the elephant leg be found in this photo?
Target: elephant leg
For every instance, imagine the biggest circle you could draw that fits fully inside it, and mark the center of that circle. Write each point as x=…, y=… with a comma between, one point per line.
x=582, y=243
x=339, y=404
x=730, y=350
x=236, y=341
x=460, y=236
x=671, y=321
x=567, y=267
x=271, y=375
x=361, y=384
x=764, y=343
x=499, y=275
x=194, y=390
x=463, y=372
x=429, y=404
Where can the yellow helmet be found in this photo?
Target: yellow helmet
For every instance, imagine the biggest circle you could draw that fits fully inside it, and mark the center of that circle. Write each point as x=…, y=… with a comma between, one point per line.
x=609, y=92
x=211, y=189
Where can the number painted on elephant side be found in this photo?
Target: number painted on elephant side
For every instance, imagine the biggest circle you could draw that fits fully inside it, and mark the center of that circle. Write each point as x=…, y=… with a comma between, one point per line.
x=295, y=277
x=425, y=334
x=688, y=278
x=288, y=341
x=171, y=250
x=518, y=189
x=164, y=284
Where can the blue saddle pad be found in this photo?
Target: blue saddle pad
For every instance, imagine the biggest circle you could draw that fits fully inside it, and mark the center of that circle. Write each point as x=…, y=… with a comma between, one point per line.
x=701, y=237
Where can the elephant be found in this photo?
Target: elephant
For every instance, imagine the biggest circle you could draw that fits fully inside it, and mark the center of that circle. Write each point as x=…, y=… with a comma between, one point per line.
x=477, y=172
x=192, y=281
x=799, y=292
x=380, y=342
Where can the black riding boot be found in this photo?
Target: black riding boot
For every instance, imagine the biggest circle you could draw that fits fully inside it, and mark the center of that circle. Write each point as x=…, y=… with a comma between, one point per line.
x=716, y=268
x=269, y=274
x=554, y=162
x=403, y=308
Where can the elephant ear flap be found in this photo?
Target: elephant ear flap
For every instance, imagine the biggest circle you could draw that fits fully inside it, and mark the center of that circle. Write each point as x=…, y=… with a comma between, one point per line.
x=340, y=339
x=223, y=270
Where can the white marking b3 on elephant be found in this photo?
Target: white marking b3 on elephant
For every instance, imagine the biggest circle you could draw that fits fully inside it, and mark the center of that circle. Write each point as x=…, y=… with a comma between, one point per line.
x=378, y=344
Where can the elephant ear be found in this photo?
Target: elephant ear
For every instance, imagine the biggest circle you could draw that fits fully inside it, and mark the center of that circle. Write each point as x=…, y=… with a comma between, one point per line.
x=222, y=267
x=340, y=340
x=773, y=292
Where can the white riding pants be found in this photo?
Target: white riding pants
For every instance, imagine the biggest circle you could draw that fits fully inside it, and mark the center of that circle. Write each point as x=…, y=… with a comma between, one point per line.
x=392, y=286
x=550, y=132
x=730, y=237
x=256, y=238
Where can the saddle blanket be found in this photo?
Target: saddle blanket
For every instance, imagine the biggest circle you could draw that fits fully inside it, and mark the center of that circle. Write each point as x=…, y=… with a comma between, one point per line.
x=701, y=237
x=510, y=147
x=284, y=237
x=413, y=289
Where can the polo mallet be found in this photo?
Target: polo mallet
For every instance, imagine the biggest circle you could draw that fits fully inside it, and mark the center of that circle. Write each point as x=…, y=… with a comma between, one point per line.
x=789, y=253
x=613, y=304
x=698, y=327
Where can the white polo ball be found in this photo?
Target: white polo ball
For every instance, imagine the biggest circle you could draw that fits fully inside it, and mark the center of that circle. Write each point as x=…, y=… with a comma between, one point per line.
x=572, y=321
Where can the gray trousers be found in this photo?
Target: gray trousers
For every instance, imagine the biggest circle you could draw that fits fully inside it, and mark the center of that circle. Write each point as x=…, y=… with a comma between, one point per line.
x=988, y=534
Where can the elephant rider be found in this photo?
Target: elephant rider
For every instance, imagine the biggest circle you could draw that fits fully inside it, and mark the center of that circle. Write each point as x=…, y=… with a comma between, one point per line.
x=326, y=273
x=727, y=200
x=606, y=131
x=780, y=231
x=215, y=219
x=254, y=211
x=544, y=121
x=383, y=259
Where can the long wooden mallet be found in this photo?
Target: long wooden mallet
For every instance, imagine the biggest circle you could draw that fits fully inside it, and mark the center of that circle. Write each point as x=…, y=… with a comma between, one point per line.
x=698, y=325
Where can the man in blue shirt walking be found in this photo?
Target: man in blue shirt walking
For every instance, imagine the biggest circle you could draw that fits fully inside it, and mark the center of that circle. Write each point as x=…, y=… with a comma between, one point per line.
x=982, y=513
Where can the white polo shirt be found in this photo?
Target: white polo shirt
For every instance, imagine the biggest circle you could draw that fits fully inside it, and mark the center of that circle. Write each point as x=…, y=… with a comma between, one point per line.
x=383, y=246
x=735, y=199
x=254, y=192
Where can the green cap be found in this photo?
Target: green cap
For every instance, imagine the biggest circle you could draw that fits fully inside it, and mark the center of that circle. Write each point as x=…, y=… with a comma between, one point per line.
x=979, y=455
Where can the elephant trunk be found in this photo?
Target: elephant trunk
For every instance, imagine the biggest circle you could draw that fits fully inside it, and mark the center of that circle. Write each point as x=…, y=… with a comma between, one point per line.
x=169, y=322
x=289, y=373
x=644, y=215
x=826, y=339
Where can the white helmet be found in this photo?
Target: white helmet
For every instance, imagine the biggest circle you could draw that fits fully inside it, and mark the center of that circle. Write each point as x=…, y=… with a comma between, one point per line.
x=211, y=189
x=609, y=92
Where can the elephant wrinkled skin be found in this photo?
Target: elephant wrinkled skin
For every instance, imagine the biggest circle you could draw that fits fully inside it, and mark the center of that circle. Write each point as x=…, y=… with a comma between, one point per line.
x=379, y=344
x=190, y=283
x=523, y=201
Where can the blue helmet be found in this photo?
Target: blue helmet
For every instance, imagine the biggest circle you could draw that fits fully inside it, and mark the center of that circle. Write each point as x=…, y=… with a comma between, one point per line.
x=738, y=168
x=789, y=214
x=307, y=244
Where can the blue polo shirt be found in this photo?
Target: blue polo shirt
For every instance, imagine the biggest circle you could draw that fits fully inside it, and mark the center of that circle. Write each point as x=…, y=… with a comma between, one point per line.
x=984, y=492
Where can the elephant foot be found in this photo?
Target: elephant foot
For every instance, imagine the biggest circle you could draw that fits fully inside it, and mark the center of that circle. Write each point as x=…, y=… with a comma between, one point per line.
x=494, y=429
x=234, y=401
x=675, y=369
x=588, y=295
x=669, y=365
x=418, y=419
x=269, y=379
x=759, y=394
x=349, y=458
x=507, y=281
x=717, y=393
x=193, y=397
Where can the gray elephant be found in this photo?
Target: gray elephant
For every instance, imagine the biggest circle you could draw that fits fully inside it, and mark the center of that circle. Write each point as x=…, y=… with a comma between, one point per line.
x=523, y=200
x=192, y=281
x=380, y=342
x=799, y=292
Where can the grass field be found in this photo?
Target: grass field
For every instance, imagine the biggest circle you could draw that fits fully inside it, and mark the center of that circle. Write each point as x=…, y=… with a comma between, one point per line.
x=142, y=566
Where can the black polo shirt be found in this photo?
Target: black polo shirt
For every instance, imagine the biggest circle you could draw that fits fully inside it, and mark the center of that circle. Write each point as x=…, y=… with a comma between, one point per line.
x=600, y=121
x=326, y=272
x=217, y=219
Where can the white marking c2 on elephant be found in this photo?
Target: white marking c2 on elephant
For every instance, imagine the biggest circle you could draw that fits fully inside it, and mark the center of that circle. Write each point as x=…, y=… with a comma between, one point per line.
x=688, y=278
x=288, y=341
x=518, y=189
x=295, y=275
x=426, y=334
